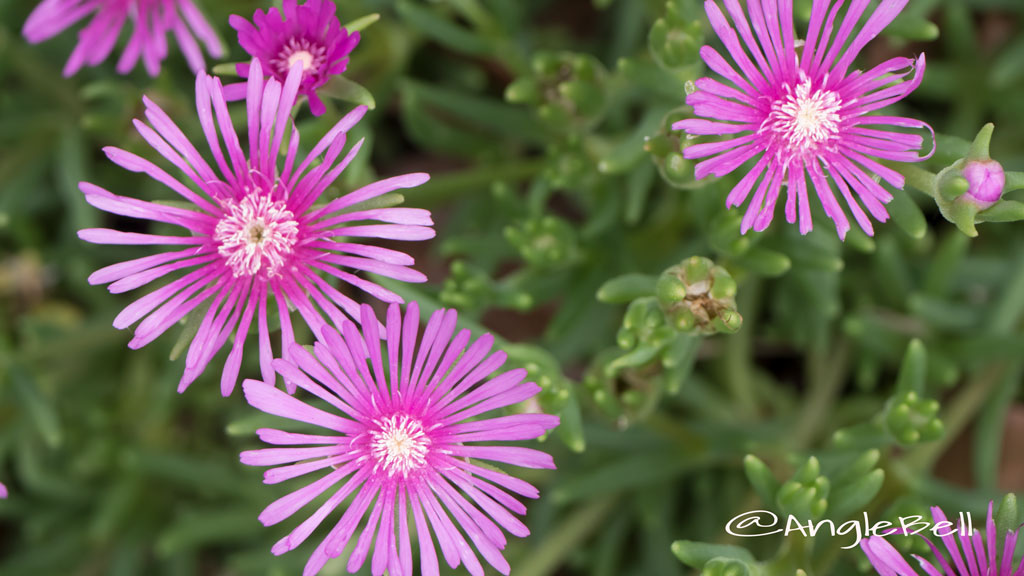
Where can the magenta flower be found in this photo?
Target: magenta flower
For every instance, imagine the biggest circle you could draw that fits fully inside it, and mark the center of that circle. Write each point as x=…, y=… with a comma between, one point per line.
x=974, y=556
x=254, y=230
x=152, y=20
x=310, y=34
x=404, y=437
x=803, y=113
x=3, y=491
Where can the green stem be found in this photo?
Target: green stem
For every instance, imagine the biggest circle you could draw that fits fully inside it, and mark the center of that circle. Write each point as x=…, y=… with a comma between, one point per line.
x=917, y=177
x=565, y=538
x=448, y=184
x=739, y=353
x=826, y=372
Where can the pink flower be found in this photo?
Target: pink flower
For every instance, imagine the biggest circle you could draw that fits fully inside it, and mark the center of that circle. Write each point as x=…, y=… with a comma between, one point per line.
x=253, y=230
x=404, y=437
x=310, y=34
x=803, y=114
x=152, y=20
x=974, y=556
x=3, y=491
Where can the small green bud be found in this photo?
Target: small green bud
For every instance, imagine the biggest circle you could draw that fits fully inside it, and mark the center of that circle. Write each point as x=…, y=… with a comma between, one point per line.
x=698, y=295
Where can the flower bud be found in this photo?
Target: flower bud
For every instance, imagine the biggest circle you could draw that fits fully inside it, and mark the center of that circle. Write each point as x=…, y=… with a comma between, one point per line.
x=985, y=179
x=698, y=295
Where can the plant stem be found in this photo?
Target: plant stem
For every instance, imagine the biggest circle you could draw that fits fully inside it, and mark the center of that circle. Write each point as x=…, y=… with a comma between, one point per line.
x=448, y=184
x=739, y=353
x=566, y=537
x=825, y=373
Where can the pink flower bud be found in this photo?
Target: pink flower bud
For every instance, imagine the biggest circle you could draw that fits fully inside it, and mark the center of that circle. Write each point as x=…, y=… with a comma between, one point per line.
x=985, y=181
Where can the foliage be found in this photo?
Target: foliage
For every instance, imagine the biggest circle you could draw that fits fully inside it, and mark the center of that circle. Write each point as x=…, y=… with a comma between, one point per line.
x=699, y=373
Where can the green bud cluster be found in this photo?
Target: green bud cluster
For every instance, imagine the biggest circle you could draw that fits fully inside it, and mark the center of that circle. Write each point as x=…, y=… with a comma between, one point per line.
x=565, y=87
x=676, y=37
x=699, y=296
x=544, y=242
x=912, y=419
x=666, y=150
x=805, y=495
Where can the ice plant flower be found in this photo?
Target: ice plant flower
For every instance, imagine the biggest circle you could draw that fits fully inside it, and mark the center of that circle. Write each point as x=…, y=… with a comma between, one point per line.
x=803, y=113
x=403, y=430
x=310, y=34
x=152, y=21
x=971, y=555
x=255, y=231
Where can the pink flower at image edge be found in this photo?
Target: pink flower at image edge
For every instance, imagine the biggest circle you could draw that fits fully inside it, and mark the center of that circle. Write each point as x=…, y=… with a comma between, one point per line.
x=254, y=232
x=310, y=34
x=971, y=555
x=152, y=20
x=802, y=114
x=404, y=442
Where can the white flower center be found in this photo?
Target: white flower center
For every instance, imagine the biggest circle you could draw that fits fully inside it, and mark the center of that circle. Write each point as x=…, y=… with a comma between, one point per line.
x=301, y=56
x=256, y=235
x=399, y=445
x=313, y=55
x=804, y=118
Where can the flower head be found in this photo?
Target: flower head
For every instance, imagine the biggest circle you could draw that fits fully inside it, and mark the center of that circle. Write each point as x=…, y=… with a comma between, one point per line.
x=802, y=114
x=255, y=231
x=309, y=34
x=403, y=431
x=3, y=491
x=152, y=19
x=971, y=554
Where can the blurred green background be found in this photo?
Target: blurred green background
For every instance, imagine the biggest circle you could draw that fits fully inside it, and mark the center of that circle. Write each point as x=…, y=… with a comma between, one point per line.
x=879, y=375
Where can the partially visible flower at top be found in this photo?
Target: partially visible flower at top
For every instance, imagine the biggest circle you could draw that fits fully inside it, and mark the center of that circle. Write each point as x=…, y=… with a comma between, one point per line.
x=803, y=114
x=985, y=179
x=406, y=440
x=310, y=34
x=153, y=19
x=254, y=231
x=971, y=555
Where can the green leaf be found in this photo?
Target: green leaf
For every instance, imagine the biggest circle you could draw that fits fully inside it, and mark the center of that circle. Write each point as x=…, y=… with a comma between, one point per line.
x=38, y=407
x=226, y=69
x=627, y=288
x=697, y=554
x=907, y=215
x=441, y=30
x=1007, y=517
x=342, y=88
x=853, y=497
x=761, y=479
x=914, y=369
x=360, y=24
x=570, y=429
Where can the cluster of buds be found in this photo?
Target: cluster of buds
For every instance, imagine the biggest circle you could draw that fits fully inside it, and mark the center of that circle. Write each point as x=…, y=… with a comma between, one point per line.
x=676, y=37
x=565, y=87
x=544, y=242
x=666, y=150
x=698, y=295
x=911, y=419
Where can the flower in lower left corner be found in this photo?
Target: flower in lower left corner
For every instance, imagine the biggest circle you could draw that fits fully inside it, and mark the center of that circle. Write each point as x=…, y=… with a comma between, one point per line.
x=256, y=228
x=407, y=432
